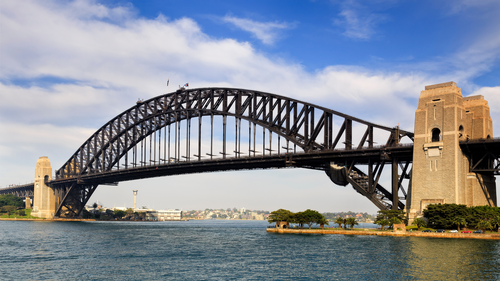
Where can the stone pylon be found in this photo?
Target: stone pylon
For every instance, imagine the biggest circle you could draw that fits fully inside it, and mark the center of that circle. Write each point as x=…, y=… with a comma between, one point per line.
x=44, y=197
x=440, y=169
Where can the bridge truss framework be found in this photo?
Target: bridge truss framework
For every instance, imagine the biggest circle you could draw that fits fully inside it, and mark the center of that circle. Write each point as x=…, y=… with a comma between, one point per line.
x=216, y=129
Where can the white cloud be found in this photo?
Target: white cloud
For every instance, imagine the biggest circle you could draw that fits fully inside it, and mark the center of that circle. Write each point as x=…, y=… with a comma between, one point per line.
x=22, y=144
x=489, y=6
x=358, y=20
x=358, y=26
x=492, y=95
x=267, y=32
x=116, y=64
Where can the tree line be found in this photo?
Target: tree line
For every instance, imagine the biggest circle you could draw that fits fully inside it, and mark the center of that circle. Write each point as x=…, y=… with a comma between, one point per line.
x=335, y=215
x=108, y=214
x=308, y=217
x=449, y=216
x=11, y=204
x=390, y=218
x=446, y=216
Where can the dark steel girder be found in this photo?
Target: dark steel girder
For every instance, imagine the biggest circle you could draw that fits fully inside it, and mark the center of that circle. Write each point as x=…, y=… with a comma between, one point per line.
x=483, y=154
x=102, y=151
x=21, y=191
x=318, y=160
x=304, y=125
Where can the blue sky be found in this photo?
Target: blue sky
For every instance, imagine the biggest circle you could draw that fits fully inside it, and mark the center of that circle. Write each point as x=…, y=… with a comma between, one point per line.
x=381, y=35
x=68, y=67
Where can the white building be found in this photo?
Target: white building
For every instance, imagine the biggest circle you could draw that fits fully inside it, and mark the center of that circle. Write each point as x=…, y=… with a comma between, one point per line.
x=166, y=215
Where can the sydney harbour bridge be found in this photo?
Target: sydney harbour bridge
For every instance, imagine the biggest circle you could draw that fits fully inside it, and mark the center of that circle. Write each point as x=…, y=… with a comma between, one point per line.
x=223, y=129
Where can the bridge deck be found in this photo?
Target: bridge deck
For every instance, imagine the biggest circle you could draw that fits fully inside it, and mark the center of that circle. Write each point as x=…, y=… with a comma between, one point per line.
x=312, y=160
x=484, y=155
x=24, y=190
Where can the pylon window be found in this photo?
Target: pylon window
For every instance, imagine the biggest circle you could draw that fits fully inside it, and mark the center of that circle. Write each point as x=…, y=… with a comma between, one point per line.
x=436, y=135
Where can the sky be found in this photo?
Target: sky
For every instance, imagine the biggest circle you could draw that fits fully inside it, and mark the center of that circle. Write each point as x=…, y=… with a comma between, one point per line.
x=68, y=67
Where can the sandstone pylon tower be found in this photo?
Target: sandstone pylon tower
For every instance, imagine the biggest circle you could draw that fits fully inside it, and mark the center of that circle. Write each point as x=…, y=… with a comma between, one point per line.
x=440, y=168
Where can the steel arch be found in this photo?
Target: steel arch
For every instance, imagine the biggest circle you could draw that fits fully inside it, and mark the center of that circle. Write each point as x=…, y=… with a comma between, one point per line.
x=292, y=119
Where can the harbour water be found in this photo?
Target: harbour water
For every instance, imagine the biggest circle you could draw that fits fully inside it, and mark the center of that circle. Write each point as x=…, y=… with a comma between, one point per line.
x=230, y=250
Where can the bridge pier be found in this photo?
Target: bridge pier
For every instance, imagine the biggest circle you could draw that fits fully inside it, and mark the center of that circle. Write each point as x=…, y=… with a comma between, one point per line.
x=71, y=199
x=44, y=197
x=440, y=168
x=27, y=202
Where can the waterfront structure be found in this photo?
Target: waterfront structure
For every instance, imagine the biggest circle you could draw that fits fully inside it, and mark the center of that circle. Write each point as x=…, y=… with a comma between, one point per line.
x=44, y=198
x=441, y=172
x=306, y=138
x=169, y=215
x=164, y=215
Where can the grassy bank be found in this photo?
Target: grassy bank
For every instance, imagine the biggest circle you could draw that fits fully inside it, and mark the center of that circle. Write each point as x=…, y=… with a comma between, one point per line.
x=16, y=215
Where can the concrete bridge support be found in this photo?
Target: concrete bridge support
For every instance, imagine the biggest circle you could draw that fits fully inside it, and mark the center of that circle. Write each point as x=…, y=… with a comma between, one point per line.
x=440, y=168
x=44, y=197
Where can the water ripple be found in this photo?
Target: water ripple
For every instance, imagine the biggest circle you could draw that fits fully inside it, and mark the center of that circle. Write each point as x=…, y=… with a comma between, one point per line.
x=230, y=250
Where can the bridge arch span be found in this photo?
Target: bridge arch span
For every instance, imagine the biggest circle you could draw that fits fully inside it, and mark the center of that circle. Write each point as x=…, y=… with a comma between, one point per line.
x=308, y=126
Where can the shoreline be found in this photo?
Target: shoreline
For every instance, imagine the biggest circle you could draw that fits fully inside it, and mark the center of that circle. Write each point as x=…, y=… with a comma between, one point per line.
x=71, y=220
x=380, y=233
x=33, y=219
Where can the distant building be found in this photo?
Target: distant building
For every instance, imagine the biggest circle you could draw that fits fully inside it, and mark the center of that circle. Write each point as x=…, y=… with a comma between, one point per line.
x=258, y=217
x=151, y=215
x=169, y=215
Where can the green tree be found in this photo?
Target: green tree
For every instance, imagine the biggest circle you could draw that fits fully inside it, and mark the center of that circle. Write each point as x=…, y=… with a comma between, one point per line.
x=480, y=213
x=311, y=217
x=298, y=218
x=394, y=220
x=11, y=200
x=9, y=210
x=458, y=221
x=323, y=221
x=393, y=216
x=119, y=214
x=339, y=221
x=484, y=225
x=130, y=213
x=280, y=215
x=86, y=214
x=95, y=207
x=109, y=213
x=382, y=222
x=441, y=215
x=419, y=222
x=352, y=222
x=496, y=222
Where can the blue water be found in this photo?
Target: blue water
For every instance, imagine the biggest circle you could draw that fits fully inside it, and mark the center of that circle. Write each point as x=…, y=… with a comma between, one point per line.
x=230, y=250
